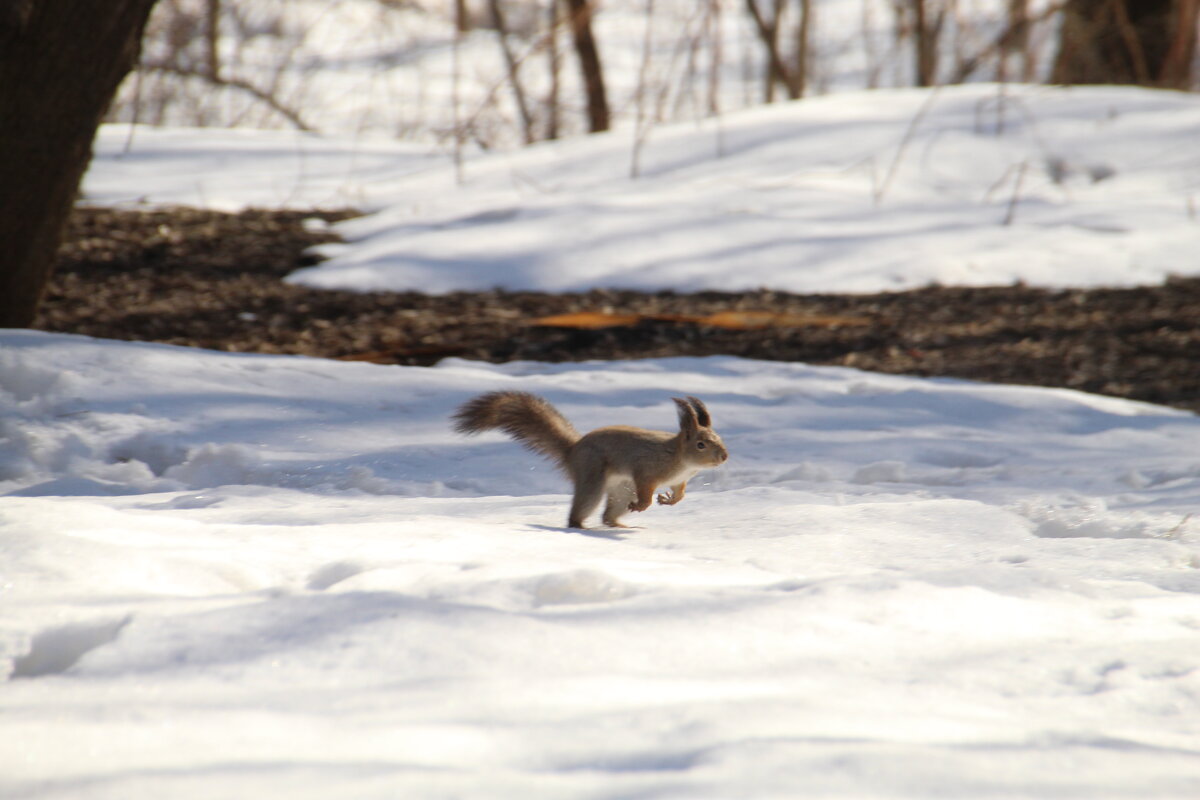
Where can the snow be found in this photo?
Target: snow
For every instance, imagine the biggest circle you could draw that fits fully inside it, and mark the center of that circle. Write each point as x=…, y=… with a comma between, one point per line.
x=850, y=193
x=855, y=192
x=230, y=170
x=228, y=575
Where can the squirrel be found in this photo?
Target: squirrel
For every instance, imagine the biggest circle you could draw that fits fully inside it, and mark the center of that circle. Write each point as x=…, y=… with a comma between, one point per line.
x=624, y=463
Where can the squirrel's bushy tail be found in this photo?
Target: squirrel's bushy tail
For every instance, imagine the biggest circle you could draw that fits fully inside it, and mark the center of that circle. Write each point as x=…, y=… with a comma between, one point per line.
x=529, y=419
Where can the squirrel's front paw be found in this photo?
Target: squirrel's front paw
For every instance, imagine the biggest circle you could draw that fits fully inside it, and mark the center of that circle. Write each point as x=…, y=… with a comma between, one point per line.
x=670, y=497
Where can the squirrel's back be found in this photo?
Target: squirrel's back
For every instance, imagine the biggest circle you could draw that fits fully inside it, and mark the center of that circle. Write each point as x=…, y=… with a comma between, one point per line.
x=529, y=419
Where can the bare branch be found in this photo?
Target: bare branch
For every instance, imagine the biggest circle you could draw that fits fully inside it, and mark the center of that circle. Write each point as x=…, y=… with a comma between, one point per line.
x=291, y=115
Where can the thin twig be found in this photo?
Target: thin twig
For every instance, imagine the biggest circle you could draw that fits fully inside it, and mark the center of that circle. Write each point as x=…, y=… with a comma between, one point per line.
x=1011, y=214
x=911, y=131
x=641, y=130
x=514, y=66
x=1009, y=35
x=291, y=115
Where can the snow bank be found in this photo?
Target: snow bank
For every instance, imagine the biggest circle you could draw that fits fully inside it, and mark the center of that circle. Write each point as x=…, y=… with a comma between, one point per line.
x=225, y=575
x=230, y=170
x=855, y=192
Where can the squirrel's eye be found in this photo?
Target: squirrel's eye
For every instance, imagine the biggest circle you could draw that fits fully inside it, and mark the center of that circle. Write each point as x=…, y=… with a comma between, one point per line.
x=700, y=445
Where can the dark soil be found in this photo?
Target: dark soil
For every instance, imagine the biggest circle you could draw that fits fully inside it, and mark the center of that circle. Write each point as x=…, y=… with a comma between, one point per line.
x=213, y=280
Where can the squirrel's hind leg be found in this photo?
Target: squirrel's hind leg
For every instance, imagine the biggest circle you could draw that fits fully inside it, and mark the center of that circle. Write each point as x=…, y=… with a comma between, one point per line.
x=620, y=496
x=589, y=491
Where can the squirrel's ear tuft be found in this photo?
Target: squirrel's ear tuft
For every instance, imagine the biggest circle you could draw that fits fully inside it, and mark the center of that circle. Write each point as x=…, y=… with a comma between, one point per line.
x=702, y=415
x=687, y=415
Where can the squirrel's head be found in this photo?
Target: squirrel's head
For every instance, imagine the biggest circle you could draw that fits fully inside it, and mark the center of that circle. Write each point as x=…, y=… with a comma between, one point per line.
x=699, y=442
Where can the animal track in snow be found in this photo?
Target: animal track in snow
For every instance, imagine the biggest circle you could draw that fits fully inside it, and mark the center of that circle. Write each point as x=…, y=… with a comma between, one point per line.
x=55, y=650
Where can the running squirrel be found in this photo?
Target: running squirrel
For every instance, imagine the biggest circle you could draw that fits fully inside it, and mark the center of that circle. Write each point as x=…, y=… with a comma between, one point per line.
x=625, y=464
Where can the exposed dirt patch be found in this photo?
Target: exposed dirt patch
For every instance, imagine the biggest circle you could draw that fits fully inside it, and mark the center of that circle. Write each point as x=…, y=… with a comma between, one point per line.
x=213, y=280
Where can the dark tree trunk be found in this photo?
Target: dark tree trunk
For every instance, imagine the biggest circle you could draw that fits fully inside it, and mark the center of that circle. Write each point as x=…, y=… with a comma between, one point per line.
x=212, y=39
x=1146, y=42
x=60, y=64
x=777, y=68
x=589, y=64
x=927, y=32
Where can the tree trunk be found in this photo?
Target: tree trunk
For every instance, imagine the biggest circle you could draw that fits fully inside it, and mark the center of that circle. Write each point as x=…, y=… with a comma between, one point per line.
x=1146, y=42
x=1015, y=42
x=212, y=39
x=777, y=68
x=589, y=64
x=552, y=61
x=803, y=48
x=1176, y=69
x=927, y=33
x=60, y=64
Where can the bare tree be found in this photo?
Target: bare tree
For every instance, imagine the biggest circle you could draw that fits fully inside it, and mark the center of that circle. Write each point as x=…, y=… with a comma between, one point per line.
x=803, y=48
x=1015, y=41
x=791, y=74
x=514, y=71
x=60, y=64
x=188, y=63
x=778, y=71
x=553, y=61
x=927, y=27
x=1147, y=42
x=462, y=16
x=212, y=38
x=589, y=63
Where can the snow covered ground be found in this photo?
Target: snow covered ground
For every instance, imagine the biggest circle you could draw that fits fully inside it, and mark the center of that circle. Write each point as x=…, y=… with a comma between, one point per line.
x=237, y=575
x=856, y=192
